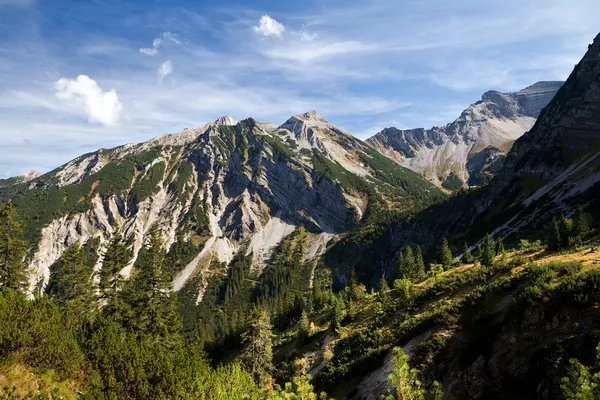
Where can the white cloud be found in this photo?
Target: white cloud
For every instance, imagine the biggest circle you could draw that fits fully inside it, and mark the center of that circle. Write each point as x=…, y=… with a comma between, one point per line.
x=159, y=42
x=313, y=51
x=165, y=69
x=101, y=107
x=305, y=35
x=268, y=26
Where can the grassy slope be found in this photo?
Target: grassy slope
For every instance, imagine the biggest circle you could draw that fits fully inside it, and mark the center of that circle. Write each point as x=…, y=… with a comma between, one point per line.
x=458, y=297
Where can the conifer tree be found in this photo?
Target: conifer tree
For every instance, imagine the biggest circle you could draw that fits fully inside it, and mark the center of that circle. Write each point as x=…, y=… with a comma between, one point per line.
x=338, y=314
x=488, y=251
x=445, y=254
x=467, y=257
x=580, y=225
x=151, y=298
x=499, y=246
x=115, y=258
x=409, y=263
x=354, y=290
x=404, y=379
x=13, y=270
x=71, y=284
x=419, y=264
x=565, y=231
x=383, y=294
x=400, y=267
x=257, y=354
x=304, y=325
x=554, y=239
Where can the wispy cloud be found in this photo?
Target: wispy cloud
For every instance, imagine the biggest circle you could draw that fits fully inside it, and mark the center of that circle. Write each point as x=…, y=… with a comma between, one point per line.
x=165, y=69
x=158, y=42
x=414, y=63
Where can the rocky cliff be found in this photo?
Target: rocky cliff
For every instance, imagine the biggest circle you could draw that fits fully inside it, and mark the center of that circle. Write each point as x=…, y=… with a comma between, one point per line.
x=471, y=149
x=220, y=189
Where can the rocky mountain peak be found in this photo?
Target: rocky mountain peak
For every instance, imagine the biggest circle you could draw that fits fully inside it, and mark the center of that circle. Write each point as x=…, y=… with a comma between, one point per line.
x=472, y=148
x=224, y=120
x=29, y=175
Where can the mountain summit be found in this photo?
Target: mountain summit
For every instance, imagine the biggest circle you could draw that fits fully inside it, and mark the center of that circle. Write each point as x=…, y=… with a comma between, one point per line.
x=227, y=188
x=471, y=149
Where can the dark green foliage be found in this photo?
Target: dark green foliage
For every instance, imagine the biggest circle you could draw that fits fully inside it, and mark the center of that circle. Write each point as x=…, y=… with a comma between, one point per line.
x=303, y=326
x=554, y=239
x=147, y=183
x=115, y=258
x=238, y=271
x=452, y=182
x=488, y=252
x=257, y=354
x=580, y=225
x=566, y=226
x=40, y=205
x=13, y=270
x=354, y=291
x=499, y=246
x=444, y=256
x=90, y=251
x=184, y=172
x=338, y=314
x=419, y=264
x=37, y=333
x=180, y=254
x=383, y=295
x=151, y=300
x=70, y=283
x=411, y=265
x=467, y=257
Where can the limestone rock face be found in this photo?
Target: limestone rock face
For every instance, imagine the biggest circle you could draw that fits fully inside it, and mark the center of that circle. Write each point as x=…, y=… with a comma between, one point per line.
x=446, y=154
x=231, y=186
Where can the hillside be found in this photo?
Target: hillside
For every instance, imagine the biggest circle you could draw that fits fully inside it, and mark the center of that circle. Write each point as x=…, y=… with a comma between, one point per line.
x=215, y=191
x=472, y=149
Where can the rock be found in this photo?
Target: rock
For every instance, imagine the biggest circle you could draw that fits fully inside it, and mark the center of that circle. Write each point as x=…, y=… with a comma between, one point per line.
x=473, y=147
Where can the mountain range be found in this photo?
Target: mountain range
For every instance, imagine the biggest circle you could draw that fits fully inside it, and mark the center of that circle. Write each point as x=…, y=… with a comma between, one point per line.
x=251, y=212
x=470, y=150
x=217, y=190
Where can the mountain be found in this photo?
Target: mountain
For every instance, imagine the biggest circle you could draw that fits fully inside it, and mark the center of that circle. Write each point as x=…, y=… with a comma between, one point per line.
x=555, y=165
x=222, y=189
x=26, y=177
x=471, y=149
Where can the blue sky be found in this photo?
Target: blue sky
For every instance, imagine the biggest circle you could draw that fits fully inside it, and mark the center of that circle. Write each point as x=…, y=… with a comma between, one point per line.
x=79, y=75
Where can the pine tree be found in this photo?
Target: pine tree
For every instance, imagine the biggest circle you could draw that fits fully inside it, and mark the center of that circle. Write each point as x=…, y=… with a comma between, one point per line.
x=488, y=251
x=467, y=257
x=151, y=298
x=409, y=263
x=444, y=254
x=580, y=225
x=354, y=290
x=419, y=264
x=554, y=239
x=115, y=258
x=404, y=379
x=400, y=267
x=71, y=284
x=499, y=246
x=304, y=325
x=338, y=314
x=13, y=270
x=257, y=354
x=383, y=294
x=565, y=231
